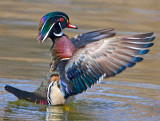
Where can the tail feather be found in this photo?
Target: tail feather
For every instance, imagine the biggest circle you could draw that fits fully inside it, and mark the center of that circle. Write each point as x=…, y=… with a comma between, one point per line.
x=29, y=96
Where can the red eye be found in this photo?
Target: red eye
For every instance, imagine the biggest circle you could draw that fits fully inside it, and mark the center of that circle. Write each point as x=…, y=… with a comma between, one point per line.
x=61, y=19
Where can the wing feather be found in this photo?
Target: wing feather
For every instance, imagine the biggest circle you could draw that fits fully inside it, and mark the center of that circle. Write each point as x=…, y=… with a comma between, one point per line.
x=103, y=59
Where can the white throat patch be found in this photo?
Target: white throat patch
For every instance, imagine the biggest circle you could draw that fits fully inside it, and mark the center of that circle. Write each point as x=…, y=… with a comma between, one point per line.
x=59, y=34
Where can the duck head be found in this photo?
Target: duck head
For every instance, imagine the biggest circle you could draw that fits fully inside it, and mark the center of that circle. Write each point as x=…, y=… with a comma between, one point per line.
x=52, y=25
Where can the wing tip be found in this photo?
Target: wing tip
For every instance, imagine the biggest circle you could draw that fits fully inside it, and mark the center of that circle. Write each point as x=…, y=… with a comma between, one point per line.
x=145, y=51
x=131, y=64
x=142, y=36
x=149, y=45
x=137, y=59
x=151, y=39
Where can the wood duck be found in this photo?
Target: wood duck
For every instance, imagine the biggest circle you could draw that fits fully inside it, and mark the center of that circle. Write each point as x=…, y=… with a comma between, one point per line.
x=82, y=61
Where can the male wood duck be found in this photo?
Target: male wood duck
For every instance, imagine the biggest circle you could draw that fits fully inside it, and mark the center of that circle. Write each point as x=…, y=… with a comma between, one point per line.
x=79, y=63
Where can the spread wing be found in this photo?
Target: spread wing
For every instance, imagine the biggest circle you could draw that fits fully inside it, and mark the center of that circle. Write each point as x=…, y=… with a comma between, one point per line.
x=86, y=38
x=102, y=59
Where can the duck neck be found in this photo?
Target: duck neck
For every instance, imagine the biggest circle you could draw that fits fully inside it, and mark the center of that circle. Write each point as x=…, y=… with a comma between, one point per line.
x=54, y=38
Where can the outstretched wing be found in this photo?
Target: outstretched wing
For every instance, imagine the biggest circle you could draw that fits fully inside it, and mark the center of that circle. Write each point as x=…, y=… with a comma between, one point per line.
x=102, y=59
x=86, y=38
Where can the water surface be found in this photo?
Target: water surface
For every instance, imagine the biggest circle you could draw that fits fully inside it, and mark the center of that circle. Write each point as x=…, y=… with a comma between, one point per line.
x=132, y=95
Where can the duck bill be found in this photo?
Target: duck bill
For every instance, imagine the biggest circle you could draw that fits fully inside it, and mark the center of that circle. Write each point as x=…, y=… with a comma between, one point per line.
x=71, y=26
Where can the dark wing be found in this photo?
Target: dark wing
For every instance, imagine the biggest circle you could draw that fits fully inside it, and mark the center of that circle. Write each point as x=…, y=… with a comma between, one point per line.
x=102, y=59
x=86, y=38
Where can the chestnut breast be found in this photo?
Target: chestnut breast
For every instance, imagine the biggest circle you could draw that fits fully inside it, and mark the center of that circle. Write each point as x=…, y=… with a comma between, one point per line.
x=64, y=47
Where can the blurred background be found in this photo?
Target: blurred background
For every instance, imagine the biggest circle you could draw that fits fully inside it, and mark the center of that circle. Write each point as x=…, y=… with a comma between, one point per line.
x=132, y=95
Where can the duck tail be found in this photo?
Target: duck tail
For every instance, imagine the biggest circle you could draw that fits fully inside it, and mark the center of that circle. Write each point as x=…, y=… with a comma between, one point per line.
x=20, y=94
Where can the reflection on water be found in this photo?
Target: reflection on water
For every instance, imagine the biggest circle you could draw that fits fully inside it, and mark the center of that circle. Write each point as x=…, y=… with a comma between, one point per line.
x=132, y=95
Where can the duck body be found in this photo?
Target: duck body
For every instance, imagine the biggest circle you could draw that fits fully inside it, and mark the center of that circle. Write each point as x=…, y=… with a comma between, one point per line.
x=55, y=96
x=63, y=49
x=80, y=62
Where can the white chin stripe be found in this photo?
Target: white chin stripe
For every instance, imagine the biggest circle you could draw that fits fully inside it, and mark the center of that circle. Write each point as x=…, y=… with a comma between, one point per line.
x=59, y=34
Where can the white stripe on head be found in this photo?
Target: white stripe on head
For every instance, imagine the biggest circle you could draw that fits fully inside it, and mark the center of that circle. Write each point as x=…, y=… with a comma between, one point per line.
x=45, y=37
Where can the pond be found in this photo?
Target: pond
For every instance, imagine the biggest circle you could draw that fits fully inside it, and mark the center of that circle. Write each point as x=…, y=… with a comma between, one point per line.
x=132, y=95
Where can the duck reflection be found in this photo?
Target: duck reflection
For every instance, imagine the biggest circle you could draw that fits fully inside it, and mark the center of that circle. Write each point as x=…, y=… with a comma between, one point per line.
x=55, y=113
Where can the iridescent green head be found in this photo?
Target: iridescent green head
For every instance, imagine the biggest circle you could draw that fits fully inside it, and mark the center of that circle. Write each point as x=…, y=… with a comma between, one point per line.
x=52, y=24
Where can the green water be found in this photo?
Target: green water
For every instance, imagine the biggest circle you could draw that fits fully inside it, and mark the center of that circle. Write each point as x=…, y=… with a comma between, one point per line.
x=132, y=95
